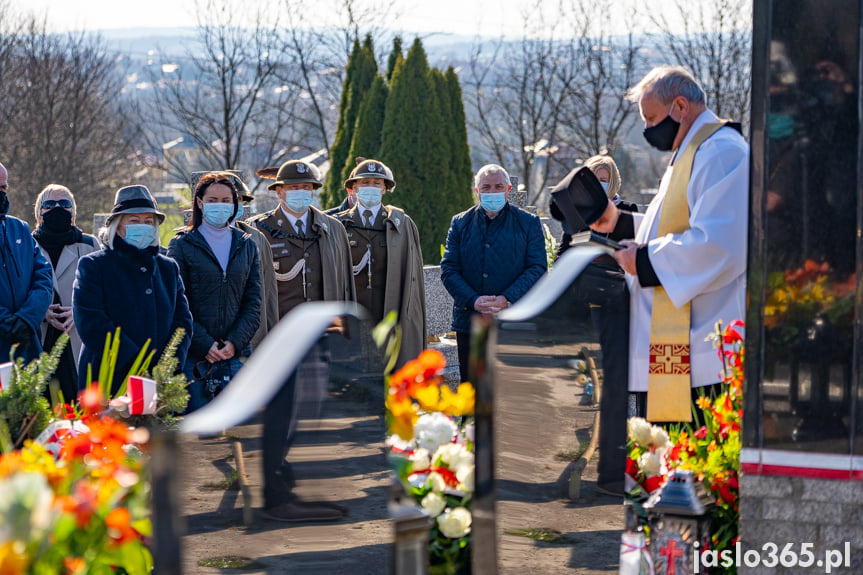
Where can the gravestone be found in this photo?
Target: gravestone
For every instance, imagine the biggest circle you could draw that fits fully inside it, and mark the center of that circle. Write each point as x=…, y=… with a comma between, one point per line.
x=802, y=456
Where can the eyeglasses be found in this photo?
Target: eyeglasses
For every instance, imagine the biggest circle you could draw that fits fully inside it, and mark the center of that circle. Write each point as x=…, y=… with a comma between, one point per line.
x=51, y=204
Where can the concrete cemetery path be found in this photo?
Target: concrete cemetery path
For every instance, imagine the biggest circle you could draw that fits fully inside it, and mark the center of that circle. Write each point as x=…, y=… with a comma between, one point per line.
x=339, y=457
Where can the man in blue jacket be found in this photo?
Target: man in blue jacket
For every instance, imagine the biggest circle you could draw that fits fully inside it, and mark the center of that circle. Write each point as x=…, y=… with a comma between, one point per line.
x=26, y=285
x=494, y=254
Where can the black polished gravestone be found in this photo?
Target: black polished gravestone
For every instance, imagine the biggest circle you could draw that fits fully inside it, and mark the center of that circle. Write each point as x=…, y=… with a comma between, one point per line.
x=539, y=370
x=337, y=457
x=803, y=333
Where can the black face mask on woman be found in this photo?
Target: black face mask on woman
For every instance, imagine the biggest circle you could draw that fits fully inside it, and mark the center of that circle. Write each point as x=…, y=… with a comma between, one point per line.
x=57, y=220
x=661, y=136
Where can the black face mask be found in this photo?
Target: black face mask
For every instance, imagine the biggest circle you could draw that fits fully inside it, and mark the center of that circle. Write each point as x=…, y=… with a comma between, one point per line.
x=57, y=220
x=4, y=203
x=661, y=136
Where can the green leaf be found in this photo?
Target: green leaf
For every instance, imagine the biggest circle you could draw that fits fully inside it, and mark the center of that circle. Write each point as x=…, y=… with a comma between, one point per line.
x=143, y=526
x=136, y=367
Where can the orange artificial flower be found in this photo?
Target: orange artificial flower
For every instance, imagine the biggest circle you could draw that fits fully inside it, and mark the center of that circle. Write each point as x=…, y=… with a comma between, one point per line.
x=119, y=524
x=74, y=565
x=91, y=399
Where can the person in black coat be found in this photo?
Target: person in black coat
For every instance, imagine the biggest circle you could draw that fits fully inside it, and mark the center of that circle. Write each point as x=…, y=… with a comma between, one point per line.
x=602, y=287
x=131, y=286
x=220, y=267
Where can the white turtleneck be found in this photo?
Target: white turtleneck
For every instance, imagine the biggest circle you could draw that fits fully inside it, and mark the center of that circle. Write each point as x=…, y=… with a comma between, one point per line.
x=219, y=240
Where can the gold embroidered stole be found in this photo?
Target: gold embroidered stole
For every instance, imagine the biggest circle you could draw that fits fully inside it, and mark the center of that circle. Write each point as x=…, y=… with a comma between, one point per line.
x=668, y=391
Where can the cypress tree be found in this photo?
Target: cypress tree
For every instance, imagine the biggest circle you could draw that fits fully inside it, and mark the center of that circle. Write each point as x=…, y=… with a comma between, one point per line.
x=414, y=145
x=367, y=133
x=395, y=57
x=359, y=74
x=462, y=174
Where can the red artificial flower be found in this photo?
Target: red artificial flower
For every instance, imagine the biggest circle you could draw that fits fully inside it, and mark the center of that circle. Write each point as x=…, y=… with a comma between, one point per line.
x=631, y=467
x=64, y=411
x=701, y=433
x=651, y=484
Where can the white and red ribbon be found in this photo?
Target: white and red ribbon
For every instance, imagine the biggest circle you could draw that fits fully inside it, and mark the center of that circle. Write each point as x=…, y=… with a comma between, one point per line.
x=140, y=396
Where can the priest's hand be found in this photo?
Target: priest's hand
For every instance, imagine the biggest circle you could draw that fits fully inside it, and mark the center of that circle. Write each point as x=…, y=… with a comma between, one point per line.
x=626, y=257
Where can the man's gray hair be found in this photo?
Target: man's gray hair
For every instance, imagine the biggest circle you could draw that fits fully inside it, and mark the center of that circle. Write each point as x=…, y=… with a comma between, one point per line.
x=666, y=83
x=486, y=170
x=51, y=189
x=108, y=233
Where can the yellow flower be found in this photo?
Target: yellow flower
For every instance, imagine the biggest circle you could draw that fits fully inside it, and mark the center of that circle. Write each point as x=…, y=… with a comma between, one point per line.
x=13, y=561
x=428, y=397
x=459, y=403
x=404, y=416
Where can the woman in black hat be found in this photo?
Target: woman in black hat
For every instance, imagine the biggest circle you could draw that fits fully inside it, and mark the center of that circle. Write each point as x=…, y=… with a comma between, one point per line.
x=63, y=244
x=129, y=285
x=220, y=267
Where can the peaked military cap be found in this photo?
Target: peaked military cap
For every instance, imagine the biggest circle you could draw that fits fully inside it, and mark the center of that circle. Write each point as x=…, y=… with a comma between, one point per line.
x=371, y=169
x=297, y=172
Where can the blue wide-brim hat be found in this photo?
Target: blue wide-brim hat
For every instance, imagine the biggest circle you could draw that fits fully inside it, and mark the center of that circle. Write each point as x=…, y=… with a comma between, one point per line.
x=134, y=200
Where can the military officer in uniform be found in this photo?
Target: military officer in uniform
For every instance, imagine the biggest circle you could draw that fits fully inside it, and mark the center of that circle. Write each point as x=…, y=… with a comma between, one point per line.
x=312, y=263
x=386, y=255
x=309, y=248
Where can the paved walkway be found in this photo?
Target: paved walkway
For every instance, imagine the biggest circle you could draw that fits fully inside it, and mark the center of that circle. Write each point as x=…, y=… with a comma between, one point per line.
x=339, y=457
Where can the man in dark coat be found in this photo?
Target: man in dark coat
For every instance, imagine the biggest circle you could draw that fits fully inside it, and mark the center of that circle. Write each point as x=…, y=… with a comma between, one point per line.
x=129, y=285
x=26, y=284
x=350, y=201
x=387, y=258
x=494, y=254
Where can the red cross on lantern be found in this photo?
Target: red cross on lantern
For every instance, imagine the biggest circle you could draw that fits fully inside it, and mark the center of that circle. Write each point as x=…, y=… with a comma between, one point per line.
x=671, y=551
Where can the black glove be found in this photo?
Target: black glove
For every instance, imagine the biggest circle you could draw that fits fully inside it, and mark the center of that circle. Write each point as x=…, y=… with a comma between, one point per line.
x=17, y=331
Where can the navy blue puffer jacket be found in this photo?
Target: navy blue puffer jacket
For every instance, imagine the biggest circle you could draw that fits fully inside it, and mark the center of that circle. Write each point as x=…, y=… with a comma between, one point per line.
x=501, y=256
x=225, y=305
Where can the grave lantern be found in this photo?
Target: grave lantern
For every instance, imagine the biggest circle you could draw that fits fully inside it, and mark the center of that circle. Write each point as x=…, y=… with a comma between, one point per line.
x=679, y=518
x=411, y=523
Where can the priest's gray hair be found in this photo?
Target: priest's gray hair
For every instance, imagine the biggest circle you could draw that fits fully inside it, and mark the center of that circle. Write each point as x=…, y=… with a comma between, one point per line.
x=108, y=233
x=51, y=189
x=666, y=83
x=486, y=170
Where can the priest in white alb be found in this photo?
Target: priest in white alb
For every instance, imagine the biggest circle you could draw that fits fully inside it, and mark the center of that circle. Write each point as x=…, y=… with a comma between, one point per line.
x=686, y=268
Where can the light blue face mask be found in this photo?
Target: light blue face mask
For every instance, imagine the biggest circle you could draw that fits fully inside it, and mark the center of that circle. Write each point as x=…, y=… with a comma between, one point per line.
x=369, y=196
x=604, y=186
x=298, y=201
x=217, y=215
x=140, y=235
x=492, y=202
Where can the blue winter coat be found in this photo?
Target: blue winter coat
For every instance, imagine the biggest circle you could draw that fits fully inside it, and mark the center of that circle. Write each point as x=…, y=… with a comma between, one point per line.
x=139, y=291
x=26, y=284
x=501, y=256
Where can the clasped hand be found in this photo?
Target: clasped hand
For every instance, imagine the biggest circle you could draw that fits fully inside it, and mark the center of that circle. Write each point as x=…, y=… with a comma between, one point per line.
x=60, y=317
x=220, y=351
x=490, y=304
